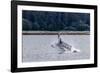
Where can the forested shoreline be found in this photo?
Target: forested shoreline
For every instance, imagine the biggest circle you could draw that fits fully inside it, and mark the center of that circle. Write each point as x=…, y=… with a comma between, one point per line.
x=55, y=21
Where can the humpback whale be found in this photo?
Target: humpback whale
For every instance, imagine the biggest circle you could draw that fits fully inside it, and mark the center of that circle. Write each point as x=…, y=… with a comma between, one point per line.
x=65, y=47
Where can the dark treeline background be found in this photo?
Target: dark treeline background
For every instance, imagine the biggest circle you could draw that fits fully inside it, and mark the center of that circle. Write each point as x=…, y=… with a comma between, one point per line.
x=55, y=21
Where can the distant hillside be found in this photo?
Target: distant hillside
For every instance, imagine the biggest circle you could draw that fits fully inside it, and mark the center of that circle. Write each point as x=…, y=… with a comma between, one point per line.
x=55, y=21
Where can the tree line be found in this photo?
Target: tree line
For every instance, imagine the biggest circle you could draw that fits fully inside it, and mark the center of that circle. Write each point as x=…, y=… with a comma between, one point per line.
x=55, y=21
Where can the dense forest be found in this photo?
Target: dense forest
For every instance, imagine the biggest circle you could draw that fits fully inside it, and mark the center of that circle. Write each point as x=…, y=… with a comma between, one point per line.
x=55, y=21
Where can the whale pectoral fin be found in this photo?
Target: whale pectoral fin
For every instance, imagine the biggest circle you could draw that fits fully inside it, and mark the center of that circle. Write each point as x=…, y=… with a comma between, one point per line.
x=74, y=50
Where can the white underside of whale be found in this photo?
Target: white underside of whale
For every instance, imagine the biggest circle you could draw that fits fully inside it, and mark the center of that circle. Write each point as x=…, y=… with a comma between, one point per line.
x=73, y=50
x=64, y=49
